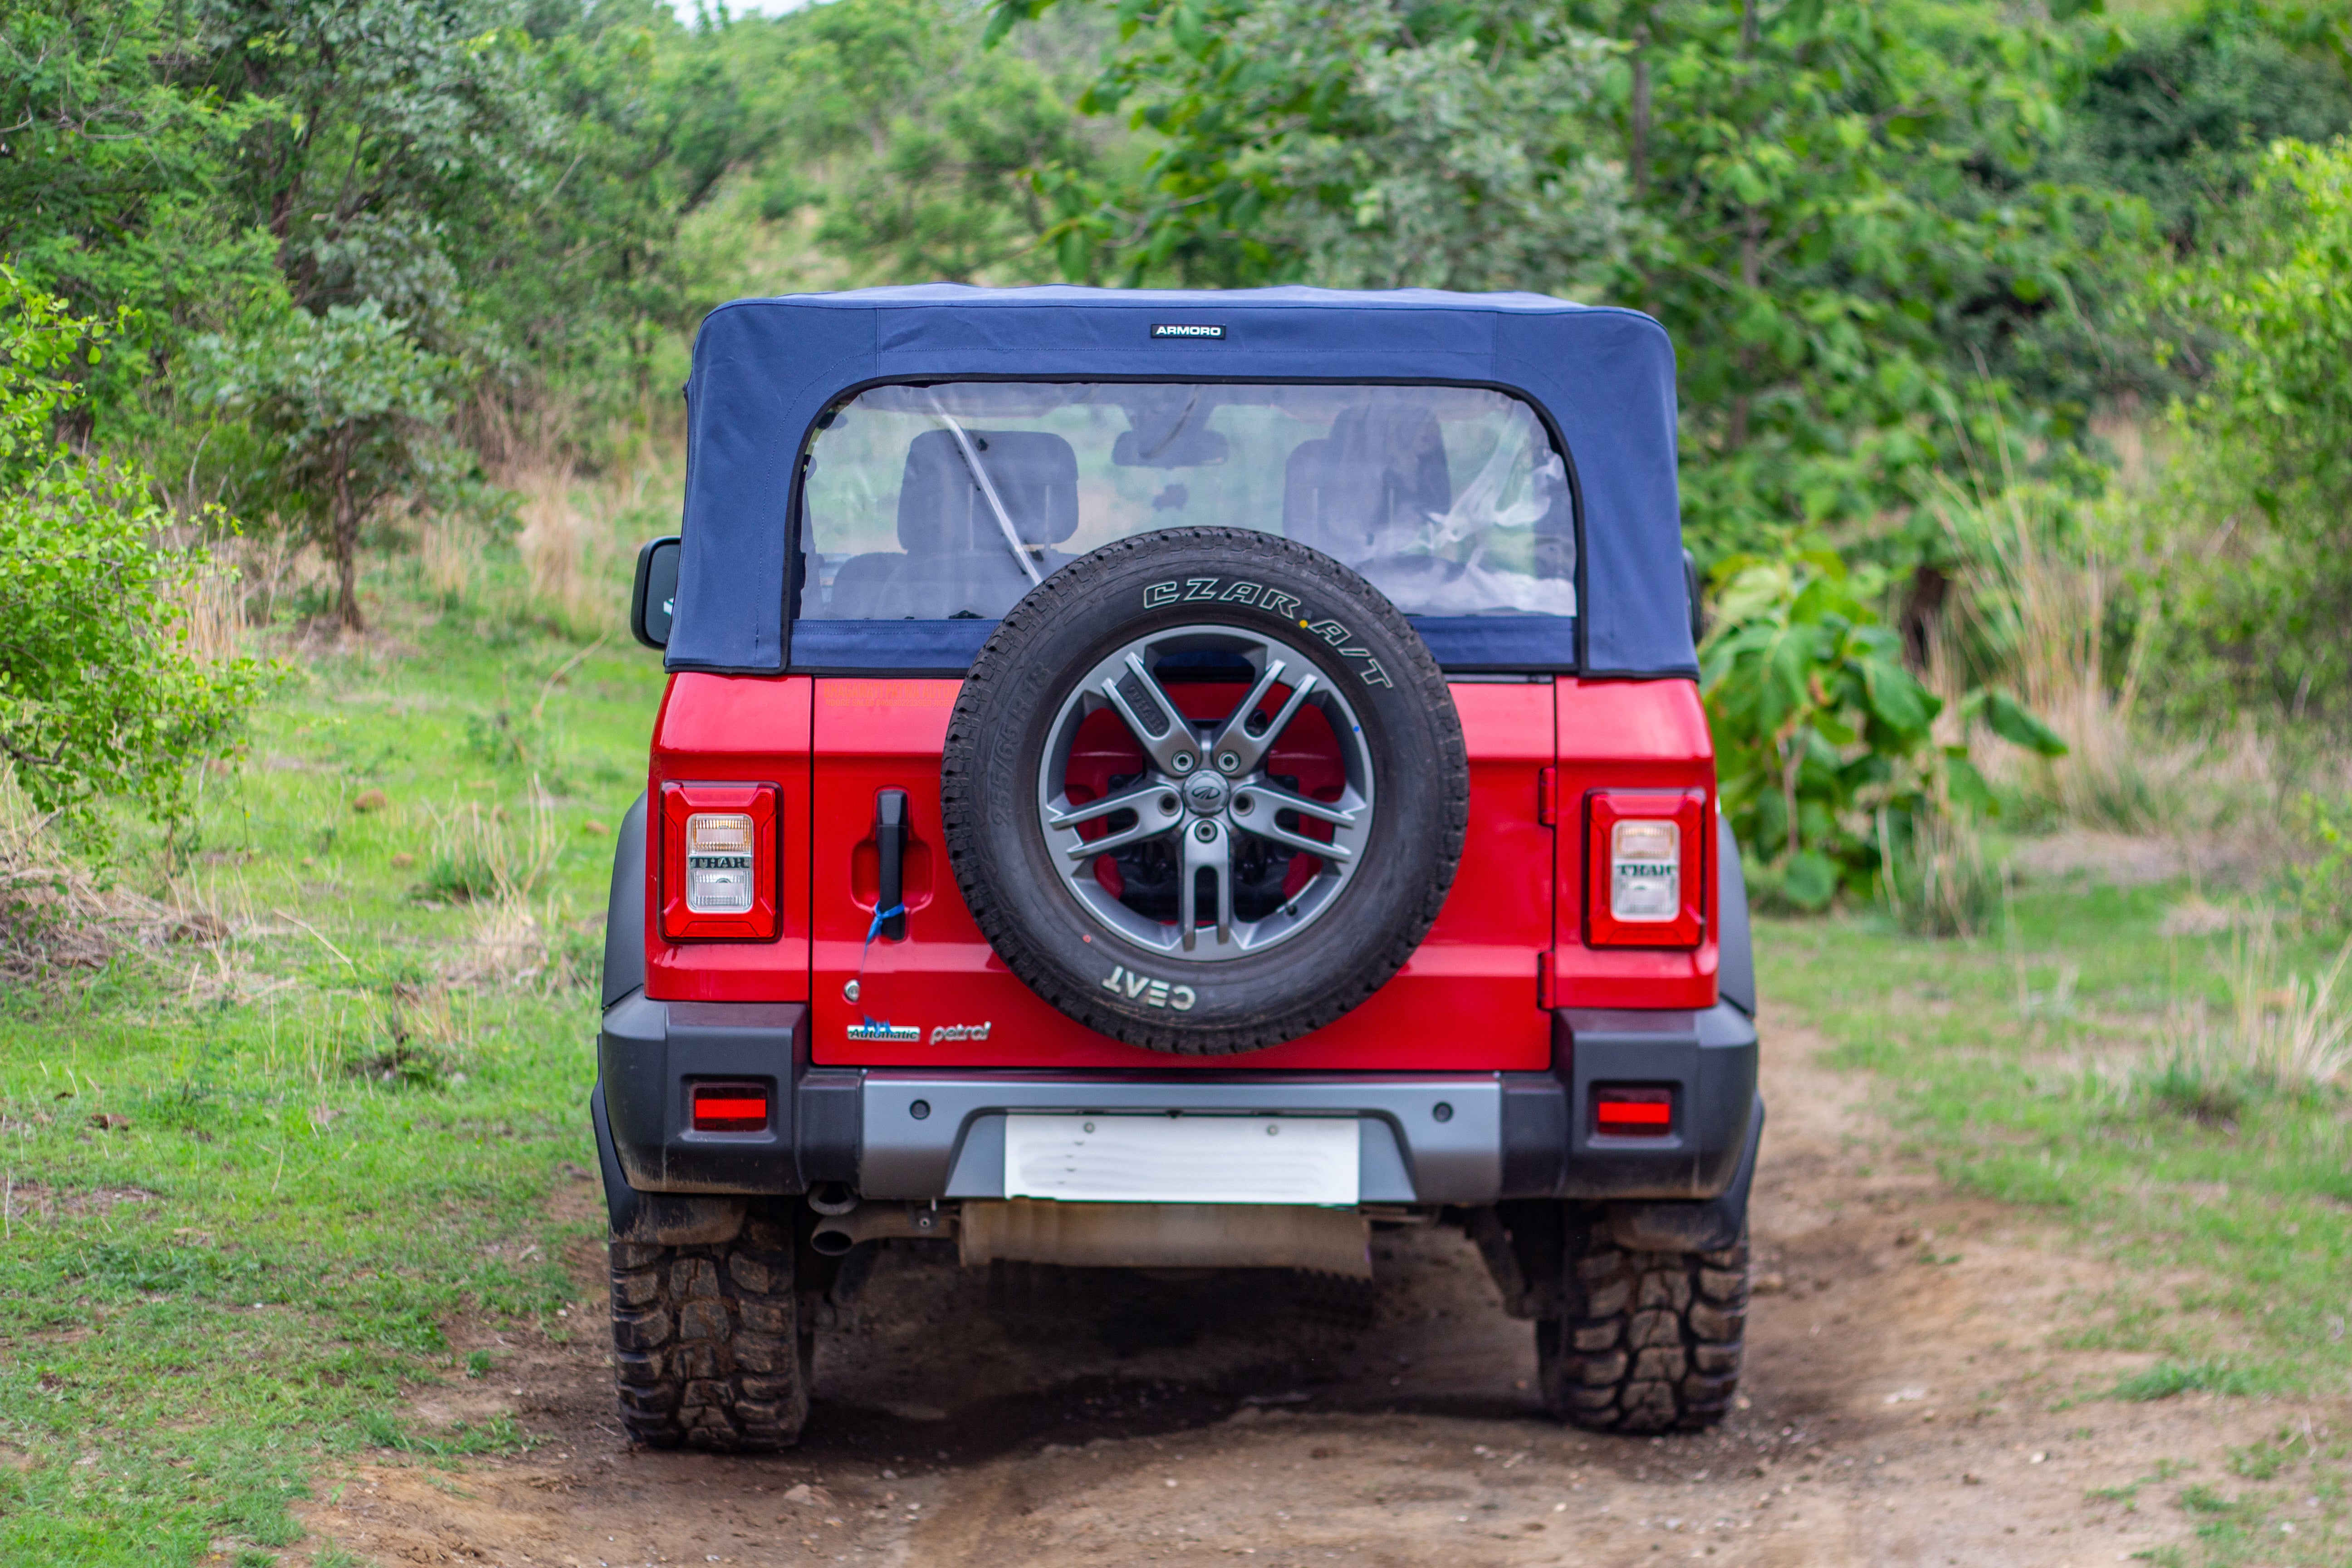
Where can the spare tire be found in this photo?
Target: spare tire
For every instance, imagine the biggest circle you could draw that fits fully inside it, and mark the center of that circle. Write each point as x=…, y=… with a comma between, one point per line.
x=1205, y=790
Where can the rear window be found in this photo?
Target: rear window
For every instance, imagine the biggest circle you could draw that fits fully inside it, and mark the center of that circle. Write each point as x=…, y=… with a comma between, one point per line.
x=950, y=501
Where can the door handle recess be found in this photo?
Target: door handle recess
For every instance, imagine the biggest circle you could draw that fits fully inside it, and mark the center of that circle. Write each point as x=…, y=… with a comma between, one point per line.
x=890, y=845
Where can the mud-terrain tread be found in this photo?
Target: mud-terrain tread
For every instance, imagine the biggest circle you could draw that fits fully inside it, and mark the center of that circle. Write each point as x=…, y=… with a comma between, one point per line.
x=965, y=780
x=710, y=1350
x=1650, y=1342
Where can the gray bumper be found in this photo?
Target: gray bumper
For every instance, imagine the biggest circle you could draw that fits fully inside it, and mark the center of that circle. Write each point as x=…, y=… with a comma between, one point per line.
x=1456, y=1139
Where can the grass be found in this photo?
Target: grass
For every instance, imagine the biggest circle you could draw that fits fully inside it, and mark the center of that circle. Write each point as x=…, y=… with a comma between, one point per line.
x=253, y=1184
x=2069, y=1065
x=255, y=1181
x=2042, y=1068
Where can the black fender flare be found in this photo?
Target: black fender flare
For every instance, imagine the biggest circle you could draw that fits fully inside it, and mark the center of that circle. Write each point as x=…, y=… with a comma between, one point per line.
x=624, y=914
x=1735, y=975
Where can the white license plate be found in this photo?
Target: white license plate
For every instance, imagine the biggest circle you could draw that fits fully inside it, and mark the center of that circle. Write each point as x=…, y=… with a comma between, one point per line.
x=1182, y=1158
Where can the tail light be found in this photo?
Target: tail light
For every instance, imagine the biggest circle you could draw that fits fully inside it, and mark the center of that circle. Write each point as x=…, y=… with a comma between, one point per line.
x=1633, y=1112
x=1645, y=864
x=730, y=1108
x=719, y=862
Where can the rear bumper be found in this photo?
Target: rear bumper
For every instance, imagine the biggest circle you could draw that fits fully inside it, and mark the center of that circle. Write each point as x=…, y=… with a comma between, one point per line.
x=1431, y=1139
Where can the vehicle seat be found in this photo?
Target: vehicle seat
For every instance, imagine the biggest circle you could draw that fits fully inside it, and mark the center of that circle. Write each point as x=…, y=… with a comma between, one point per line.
x=1366, y=490
x=957, y=561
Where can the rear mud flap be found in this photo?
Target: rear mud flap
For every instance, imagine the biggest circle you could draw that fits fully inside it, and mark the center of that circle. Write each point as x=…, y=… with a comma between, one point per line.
x=656, y=1220
x=1708, y=1226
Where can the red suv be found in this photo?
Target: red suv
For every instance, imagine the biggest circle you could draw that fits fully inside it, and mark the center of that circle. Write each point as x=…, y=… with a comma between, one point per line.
x=1175, y=780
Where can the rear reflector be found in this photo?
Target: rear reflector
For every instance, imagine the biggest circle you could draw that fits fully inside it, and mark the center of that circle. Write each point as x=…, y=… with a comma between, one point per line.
x=731, y=1109
x=1633, y=1112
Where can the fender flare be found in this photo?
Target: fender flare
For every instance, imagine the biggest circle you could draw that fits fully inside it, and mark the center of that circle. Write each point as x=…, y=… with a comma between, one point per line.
x=625, y=914
x=1735, y=978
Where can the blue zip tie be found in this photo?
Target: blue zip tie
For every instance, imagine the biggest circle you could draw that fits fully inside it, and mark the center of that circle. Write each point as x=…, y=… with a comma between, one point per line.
x=881, y=918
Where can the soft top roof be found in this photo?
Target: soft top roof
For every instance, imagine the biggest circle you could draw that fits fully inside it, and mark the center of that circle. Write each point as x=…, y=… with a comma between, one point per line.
x=765, y=369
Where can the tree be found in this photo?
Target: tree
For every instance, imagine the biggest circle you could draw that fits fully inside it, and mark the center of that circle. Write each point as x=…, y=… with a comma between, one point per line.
x=1813, y=198
x=1357, y=146
x=351, y=409
x=99, y=692
x=110, y=184
x=2266, y=606
x=910, y=146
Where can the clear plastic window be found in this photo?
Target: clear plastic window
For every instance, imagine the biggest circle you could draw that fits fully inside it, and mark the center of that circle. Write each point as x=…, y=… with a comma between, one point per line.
x=950, y=502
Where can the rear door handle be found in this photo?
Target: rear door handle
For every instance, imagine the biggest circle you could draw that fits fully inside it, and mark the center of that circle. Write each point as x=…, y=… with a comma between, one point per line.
x=890, y=842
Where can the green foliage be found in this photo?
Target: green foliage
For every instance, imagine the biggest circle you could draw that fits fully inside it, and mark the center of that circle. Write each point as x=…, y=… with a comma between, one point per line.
x=2179, y=115
x=1839, y=221
x=1368, y=146
x=1828, y=207
x=2318, y=878
x=2268, y=470
x=110, y=184
x=99, y=693
x=909, y=146
x=1818, y=725
x=350, y=406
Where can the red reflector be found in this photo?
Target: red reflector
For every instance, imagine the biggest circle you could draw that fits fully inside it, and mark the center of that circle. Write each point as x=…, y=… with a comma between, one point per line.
x=1633, y=1112
x=732, y=1111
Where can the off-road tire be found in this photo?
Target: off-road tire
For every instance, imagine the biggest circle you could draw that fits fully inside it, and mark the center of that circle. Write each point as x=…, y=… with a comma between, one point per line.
x=1132, y=588
x=1648, y=1341
x=711, y=1346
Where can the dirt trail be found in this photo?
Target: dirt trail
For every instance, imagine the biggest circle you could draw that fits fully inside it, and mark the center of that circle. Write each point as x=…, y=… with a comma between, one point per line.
x=1901, y=1373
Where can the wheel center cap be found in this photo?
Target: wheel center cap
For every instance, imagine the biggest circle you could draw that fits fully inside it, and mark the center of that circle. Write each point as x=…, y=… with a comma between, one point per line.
x=1205, y=795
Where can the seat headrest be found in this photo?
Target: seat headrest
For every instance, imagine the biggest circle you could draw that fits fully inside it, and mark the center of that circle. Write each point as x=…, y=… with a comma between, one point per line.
x=941, y=507
x=1366, y=489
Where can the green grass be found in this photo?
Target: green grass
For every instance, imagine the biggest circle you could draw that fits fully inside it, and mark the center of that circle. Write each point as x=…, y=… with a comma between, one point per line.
x=2031, y=1067
x=2040, y=1067
x=338, y=1146
x=333, y=1151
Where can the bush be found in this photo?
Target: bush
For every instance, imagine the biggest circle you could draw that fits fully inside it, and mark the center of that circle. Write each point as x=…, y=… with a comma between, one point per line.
x=2261, y=588
x=100, y=691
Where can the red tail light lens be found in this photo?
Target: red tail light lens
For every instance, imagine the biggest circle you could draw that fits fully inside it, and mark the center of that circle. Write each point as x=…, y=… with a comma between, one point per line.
x=1644, y=869
x=730, y=1108
x=719, y=862
x=1633, y=1112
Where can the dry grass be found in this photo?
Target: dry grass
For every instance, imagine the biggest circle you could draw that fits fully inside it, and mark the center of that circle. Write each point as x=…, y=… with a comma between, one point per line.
x=210, y=621
x=274, y=566
x=480, y=855
x=2044, y=608
x=1938, y=882
x=555, y=541
x=449, y=550
x=509, y=945
x=2282, y=1028
x=55, y=918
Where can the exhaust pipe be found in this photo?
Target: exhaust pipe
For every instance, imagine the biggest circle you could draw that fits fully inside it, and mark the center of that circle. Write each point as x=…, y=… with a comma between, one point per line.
x=1166, y=1236
x=837, y=1233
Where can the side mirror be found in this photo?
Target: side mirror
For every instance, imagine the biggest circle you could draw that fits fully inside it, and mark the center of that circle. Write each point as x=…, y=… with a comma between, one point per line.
x=653, y=597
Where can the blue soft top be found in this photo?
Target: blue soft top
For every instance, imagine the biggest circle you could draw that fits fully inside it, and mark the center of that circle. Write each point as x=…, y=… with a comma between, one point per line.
x=765, y=369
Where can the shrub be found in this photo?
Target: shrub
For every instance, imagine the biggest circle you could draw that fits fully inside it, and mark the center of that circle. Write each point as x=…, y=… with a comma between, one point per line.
x=101, y=692
x=2261, y=587
x=1825, y=742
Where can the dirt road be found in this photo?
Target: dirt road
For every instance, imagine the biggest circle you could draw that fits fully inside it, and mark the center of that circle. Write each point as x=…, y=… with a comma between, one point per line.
x=1903, y=1369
